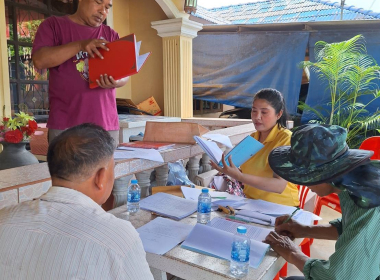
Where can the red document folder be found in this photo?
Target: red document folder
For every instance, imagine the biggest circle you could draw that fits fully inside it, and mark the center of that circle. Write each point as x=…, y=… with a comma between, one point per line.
x=122, y=60
x=147, y=145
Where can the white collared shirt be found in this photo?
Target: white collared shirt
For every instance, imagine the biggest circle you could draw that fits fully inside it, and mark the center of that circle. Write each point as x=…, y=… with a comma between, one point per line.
x=65, y=235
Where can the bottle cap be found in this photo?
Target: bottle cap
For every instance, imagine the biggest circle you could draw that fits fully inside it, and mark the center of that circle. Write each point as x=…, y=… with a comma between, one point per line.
x=241, y=229
x=134, y=181
x=205, y=190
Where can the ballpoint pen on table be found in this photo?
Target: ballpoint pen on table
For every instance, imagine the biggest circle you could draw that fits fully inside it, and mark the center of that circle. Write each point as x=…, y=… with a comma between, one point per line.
x=237, y=219
x=288, y=219
x=218, y=197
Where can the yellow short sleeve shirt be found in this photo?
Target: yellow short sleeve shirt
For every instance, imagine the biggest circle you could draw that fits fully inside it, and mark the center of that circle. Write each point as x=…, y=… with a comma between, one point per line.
x=258, y=165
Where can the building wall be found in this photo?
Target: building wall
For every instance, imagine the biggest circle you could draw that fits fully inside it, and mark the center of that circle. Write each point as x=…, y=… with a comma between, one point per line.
x=120, y=22
x=135, y=16
x=129, y=16
x=149, y=82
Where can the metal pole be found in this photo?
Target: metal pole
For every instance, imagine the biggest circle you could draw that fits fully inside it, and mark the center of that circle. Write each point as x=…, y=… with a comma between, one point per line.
x=341, y=9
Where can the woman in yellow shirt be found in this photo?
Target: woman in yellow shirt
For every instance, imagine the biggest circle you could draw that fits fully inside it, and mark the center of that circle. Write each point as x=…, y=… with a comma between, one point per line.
x=269, y=117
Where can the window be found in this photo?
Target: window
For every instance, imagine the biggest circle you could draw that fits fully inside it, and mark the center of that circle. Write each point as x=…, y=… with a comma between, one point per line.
x=29, y=87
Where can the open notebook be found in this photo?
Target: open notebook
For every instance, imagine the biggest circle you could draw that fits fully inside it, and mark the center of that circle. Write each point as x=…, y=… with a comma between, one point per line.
x=242, y=152
x=215, y=239
x=169, y=205
x=122, y=60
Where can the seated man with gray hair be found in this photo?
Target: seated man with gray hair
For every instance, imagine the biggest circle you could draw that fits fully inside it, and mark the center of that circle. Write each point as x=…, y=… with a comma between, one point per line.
x=65, y=234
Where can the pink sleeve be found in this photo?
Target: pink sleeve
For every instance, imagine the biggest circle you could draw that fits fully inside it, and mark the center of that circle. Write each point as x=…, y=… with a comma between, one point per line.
x=45, y=36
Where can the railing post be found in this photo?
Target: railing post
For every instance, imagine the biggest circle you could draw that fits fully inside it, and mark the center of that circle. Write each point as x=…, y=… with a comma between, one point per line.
x=120, y=191
x=144, y=181
x=193, y=167
x=162, y=175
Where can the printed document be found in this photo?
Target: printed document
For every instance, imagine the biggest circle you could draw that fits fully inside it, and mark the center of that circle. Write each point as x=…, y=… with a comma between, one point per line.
x=169, y=205
x=127, y=153
x=161, y=235
x=256, y=217
x=253, y=232
x=218, y=243
x=193, y=193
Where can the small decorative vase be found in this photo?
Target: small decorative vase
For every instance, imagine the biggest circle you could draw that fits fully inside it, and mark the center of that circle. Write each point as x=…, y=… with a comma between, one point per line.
x=14, y=155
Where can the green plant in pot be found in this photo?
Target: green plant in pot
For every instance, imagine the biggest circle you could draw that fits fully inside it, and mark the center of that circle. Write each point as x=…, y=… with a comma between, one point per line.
x=14, y=134
x=350, y=74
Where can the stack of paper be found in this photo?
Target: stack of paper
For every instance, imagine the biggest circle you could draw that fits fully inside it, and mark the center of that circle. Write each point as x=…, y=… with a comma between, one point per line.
x=276, y=210
x=169, y=205
x=217, y=198
x=216, y=240
x=128, y=153
x=256, y=217
x=161, y=235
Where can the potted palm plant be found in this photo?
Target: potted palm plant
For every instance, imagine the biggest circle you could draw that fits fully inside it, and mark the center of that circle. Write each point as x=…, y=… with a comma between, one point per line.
x=350, y=74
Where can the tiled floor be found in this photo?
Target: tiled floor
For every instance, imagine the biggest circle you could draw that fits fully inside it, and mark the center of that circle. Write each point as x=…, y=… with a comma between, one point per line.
x=321, y=249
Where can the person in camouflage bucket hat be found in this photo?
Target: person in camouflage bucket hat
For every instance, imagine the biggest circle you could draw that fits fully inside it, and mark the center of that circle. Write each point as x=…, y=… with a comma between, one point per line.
x=320, y=159
x=317, y=153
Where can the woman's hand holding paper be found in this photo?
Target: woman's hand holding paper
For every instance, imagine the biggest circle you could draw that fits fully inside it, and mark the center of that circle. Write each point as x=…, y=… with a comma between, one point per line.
x=230, y=170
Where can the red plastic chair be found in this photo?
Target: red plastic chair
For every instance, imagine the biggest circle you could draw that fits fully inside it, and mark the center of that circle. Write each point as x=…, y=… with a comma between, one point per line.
x=372, y=144
x=332, y=200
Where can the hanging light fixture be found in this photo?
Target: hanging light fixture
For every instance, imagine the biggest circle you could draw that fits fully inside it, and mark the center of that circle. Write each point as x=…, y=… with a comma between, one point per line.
x=190, y=6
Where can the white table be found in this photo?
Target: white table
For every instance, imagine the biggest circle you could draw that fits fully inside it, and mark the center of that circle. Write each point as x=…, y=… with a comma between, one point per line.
x=195, y=266
x=134, y=124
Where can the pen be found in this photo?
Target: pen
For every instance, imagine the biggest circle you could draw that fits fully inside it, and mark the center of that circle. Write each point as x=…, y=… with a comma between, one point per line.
x=218, y=197
x=238, y=219
x=288, y=219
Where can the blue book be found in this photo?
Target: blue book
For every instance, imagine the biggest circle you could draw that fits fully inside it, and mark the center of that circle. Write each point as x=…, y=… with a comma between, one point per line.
x=242, y=152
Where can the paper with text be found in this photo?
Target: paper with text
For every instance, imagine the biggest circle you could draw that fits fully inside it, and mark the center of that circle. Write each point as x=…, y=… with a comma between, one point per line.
x=253, y=232
x=268, y=208
x=161, y=235
x=149, y=154
x=218, y=243
x=259, y=218
x=193, y=193
x=169, y=205
x=220, y=138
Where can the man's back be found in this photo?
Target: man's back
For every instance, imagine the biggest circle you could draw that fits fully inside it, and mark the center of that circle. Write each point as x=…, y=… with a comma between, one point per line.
x=66, y=235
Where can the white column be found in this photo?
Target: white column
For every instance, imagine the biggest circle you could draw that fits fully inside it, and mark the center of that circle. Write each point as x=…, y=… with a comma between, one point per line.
x=177, y=39
x=5, y=93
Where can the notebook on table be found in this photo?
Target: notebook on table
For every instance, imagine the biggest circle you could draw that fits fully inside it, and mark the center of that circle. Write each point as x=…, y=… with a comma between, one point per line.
x=169, y=205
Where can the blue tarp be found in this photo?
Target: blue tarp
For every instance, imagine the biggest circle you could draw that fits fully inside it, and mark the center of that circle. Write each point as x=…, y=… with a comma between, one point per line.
x=318, y=92
x=230, y=68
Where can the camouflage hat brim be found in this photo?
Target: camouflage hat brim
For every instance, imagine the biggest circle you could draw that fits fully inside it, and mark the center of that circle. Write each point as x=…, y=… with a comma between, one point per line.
x=279, y=161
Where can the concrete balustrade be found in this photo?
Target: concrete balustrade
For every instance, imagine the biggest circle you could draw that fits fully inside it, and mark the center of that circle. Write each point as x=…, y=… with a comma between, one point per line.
x=28, y=182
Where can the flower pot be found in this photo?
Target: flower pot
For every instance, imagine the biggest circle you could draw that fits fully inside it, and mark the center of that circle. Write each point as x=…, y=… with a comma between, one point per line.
x=14, y=155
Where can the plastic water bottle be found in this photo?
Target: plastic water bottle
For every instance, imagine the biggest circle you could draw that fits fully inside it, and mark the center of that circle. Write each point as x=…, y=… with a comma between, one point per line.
x=204, y=207
x=134, y=193
x=241, y=246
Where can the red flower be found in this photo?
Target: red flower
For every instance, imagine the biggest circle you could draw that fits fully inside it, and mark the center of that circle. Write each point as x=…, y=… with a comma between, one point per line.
x=5, y=119
x=13, y=136
x=33, y=125
x=2, y=127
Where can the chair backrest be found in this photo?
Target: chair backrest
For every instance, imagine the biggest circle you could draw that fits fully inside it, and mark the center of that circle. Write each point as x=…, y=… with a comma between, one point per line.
x=372, y=144
x=302, y=192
